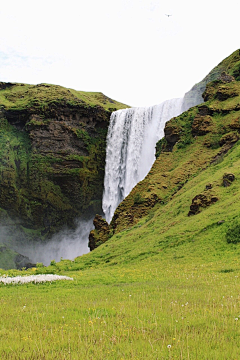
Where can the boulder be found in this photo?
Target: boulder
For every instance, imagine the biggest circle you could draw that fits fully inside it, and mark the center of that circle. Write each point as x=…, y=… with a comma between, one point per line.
x=228, y=179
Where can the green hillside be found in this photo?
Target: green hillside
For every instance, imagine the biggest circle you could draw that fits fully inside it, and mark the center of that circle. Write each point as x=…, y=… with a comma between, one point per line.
x=194, y=143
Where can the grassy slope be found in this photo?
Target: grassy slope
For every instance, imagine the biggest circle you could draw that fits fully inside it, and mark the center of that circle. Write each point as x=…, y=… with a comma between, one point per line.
x=164, y=288
x=21, y=96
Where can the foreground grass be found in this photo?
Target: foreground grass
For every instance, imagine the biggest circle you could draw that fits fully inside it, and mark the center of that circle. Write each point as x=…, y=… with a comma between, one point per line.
x=156, y=309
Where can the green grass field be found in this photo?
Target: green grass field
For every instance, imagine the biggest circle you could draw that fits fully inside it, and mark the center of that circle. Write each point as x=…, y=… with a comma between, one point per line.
x=160, y=308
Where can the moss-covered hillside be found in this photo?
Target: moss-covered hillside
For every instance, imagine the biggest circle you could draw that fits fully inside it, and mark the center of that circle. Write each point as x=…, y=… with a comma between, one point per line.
x=230, y=65
x=197, y=140
x=52, y=155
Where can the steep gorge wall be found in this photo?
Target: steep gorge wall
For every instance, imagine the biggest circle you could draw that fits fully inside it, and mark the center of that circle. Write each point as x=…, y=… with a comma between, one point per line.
x=52, y=155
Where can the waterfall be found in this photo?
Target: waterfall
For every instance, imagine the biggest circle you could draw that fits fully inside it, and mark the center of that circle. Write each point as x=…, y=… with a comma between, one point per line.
x=130, y=152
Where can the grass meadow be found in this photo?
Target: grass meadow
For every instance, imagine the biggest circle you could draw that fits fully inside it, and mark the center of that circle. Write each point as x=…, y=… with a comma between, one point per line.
x=154, y=309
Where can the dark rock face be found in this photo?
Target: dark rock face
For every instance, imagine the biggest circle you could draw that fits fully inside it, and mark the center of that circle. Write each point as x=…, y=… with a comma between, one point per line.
x=100, y=234
x=223, y=94
x=208, y=186
x=172, y=134
x=52, y=155
x=63, y=167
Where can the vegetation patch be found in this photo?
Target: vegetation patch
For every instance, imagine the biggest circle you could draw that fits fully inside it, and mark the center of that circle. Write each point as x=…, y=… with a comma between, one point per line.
x=233, y=233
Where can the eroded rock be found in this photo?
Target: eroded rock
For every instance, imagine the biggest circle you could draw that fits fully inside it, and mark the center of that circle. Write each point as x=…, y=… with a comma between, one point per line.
x=201, y=201
x=228, y=179
x=201, y=125
x=172, y=135
x=230, y=138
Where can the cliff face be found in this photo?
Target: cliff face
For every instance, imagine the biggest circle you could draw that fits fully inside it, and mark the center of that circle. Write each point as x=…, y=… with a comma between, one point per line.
x=52, y=154
x=193, y=141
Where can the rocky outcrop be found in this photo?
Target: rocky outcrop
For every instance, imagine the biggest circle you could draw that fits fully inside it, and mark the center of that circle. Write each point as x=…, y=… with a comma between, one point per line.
x=201, y=201
x=229, y=138
x=202, y=124
x=172, y=134
x=101, y=233
x=228, y=179
x=52, y=154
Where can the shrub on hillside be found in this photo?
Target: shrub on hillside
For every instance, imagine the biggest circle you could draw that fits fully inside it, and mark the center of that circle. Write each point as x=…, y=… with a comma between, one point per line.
x=233, y=233
x=138, y=199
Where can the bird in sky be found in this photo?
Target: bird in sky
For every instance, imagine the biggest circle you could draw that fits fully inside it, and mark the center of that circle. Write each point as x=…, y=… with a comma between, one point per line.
x=168, y=15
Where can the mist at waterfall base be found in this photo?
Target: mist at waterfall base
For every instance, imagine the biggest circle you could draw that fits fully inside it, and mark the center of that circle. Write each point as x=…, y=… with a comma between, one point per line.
x=130, y=153
x=66, y=244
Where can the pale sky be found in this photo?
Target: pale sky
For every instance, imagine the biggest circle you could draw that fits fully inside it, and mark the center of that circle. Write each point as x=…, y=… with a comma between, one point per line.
x=127, y=49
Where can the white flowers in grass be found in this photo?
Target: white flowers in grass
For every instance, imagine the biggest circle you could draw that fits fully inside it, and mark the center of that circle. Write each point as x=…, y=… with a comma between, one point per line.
x=32, y=278
x=169, y=346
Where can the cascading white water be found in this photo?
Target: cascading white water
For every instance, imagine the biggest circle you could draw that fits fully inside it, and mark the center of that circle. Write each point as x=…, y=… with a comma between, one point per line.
x=130, y=153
